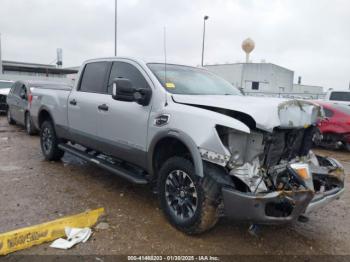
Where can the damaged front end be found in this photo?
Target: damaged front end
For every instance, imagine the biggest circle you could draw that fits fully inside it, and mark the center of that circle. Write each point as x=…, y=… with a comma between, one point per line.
x=276, y=177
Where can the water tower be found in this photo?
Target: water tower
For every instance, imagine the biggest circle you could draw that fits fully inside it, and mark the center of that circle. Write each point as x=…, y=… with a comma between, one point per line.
x=248, y=46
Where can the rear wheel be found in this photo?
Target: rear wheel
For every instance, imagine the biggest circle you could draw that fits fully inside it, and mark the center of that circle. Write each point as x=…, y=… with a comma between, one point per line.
x=49, y=142
x=184, y=197
x=29, y=125
x=9, y=118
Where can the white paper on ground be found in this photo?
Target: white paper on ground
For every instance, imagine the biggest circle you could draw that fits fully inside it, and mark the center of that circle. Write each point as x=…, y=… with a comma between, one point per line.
x=74, y=236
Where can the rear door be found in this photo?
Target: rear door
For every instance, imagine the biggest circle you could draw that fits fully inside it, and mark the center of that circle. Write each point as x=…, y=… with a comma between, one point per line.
x=83, y=103
x=14, y=101
x=11, y=100
x=22, y=104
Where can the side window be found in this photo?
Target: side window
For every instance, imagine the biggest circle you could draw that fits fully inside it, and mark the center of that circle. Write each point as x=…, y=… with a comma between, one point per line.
x=17, y=89
x=128, y=71
x=93, y=79
x=13, y=88
x=328, y=112
x=23, y=92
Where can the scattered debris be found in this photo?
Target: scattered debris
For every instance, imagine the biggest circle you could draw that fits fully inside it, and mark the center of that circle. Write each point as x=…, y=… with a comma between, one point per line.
x=253, y=230
x=102, y=226
x=74, y=236
x=303, y=219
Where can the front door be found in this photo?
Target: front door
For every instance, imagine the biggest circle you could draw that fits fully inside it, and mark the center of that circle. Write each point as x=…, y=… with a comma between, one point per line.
x=124, y=126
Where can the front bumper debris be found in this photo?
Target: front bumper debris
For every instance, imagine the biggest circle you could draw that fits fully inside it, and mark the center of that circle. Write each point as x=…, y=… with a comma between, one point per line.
x=281, y=207
x=322, y=199
x=272, y=208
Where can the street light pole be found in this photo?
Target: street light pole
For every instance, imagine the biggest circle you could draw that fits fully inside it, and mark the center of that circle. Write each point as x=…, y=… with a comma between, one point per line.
x=115, y=27
x=205, y=18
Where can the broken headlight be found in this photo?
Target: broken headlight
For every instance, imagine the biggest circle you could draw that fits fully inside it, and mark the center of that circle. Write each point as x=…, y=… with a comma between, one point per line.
x=242, y=146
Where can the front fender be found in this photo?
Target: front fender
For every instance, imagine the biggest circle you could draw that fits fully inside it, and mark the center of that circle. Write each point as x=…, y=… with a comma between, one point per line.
x=185, y=139
x=195, y=127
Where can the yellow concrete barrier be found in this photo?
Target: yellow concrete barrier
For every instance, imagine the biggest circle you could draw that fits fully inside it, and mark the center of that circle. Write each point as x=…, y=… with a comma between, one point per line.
x=30, y=236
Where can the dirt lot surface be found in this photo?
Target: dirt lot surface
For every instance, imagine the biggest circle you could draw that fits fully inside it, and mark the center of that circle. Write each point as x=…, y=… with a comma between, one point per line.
x=35, y=191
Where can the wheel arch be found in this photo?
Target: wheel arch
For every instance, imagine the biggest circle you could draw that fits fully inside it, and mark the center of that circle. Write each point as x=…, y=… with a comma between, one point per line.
x=44, y=114
x=183, y=140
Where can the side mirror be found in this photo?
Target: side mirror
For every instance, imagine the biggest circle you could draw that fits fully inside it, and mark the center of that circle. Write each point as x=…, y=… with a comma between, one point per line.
x=123, y=90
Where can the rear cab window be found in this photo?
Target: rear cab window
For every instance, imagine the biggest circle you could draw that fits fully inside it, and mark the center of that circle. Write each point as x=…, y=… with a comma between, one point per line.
x=94, y=78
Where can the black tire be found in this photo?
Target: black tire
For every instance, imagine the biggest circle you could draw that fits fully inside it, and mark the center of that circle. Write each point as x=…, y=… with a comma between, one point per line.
x=347, y=146
x=30, y=129
x=196, y=220
x=9, y=117
x=49, y=142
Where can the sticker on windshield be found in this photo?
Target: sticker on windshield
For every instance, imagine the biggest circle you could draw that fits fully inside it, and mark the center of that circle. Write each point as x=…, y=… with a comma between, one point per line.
x=170, y=85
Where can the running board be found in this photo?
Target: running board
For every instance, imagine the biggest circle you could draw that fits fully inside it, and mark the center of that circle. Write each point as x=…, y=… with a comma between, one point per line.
x=115, y=169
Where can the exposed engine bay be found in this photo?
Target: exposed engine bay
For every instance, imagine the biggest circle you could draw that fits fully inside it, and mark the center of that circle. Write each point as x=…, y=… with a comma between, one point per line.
x=270, y=173
x=281, y=169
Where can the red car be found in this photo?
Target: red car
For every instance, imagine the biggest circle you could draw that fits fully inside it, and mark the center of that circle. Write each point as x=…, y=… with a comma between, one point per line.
x=335, y=128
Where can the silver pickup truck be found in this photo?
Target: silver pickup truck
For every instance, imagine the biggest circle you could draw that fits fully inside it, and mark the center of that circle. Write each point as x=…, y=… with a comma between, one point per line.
x=203, y=147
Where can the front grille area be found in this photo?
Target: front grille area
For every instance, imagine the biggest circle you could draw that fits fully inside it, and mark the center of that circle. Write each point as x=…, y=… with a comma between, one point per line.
x=286, y=144
x=2, y=99
x=3, y=105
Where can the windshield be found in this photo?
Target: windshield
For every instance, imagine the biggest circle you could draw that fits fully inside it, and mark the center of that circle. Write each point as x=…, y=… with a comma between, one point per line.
x=340, y=96
x=191, y=81
x=5, y=84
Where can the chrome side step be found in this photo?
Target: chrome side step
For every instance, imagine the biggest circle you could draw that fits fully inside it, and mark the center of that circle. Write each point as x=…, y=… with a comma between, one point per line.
x=115, y=169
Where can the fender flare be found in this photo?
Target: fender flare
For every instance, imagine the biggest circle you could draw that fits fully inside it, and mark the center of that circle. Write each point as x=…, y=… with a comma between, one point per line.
x=41, y=109
x=186, y=140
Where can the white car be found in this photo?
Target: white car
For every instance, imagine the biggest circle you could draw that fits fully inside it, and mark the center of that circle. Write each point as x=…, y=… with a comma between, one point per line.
x=338, y=97
x=5, y=86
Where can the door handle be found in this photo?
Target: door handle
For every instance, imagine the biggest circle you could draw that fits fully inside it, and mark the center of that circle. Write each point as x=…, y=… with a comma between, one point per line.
x=73, y=102
x=103, y=107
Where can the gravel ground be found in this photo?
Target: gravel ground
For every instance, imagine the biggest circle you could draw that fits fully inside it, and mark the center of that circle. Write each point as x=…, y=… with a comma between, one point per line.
x=35, y=191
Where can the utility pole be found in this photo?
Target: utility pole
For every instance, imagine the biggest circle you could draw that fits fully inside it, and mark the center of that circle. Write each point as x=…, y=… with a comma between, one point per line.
x=115, y=27
x=205, y=18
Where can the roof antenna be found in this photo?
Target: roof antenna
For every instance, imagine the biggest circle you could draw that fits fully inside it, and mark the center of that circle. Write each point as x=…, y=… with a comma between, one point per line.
x=165, y=64
x=164, y=42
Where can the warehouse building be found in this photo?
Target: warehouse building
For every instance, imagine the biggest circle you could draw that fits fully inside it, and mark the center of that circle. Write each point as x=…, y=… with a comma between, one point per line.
x=265, y=79
x=34, y=70
x=13, y=70
x=256, y=77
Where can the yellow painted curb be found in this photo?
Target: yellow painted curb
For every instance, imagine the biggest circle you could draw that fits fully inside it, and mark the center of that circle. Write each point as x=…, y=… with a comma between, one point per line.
x=30, y=236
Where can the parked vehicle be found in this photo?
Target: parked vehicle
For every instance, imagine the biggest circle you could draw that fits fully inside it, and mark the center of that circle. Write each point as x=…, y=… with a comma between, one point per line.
x=338, y=96
x=203, y=147
x=335, y=128
x=5, y=87
x=19, y=102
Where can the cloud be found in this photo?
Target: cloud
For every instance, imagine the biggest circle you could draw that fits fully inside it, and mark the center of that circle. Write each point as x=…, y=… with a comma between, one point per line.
x=309, y=37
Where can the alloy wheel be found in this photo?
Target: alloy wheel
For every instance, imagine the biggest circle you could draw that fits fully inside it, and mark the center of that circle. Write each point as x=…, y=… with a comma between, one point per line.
x=181, y=194
x=47, y=138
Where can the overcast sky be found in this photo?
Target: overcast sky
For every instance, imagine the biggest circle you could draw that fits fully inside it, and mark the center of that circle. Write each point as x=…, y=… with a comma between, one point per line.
x=310, y=37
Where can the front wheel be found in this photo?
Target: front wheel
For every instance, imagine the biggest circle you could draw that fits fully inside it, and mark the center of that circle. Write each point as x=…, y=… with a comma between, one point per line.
x=49, y=142
x=184, y=197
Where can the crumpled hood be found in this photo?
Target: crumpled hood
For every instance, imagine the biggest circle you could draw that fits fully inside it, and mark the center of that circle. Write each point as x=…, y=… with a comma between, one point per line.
x=267, y=112
x=4, y=91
